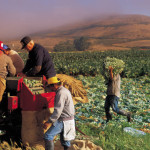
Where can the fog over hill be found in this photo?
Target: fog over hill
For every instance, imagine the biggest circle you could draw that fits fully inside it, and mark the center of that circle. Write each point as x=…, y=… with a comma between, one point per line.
x=111, y=32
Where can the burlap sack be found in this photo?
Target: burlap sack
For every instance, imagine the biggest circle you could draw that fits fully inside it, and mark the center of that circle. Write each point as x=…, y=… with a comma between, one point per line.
x=43, y=115
x=2, y=87
x=38, y=146
x=32, y=131
x=75, y=86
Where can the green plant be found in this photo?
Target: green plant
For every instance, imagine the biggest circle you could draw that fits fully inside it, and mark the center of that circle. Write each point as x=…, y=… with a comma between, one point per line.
x=137, y=62
x=64, y=47
x=117, y=65
x=81, y=43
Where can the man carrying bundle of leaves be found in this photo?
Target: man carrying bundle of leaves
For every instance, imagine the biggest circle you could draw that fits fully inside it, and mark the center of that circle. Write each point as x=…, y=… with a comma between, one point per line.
x=113, y=68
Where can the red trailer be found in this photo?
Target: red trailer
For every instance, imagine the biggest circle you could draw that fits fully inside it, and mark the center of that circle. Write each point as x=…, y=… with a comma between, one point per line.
x=19, y=97
x=29, y=101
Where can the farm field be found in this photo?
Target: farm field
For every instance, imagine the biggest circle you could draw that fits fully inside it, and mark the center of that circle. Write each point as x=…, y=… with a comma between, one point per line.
x=135, y=97
x=137, y=62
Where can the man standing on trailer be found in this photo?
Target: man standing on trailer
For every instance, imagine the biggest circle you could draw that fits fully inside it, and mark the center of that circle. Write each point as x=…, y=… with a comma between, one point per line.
x=39, y=61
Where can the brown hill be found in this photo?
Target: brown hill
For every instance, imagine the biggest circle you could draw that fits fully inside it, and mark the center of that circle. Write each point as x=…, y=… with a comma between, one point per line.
x=113, y=32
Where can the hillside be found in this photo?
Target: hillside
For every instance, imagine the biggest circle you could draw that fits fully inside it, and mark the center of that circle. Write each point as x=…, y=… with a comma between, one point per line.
x=113, y=32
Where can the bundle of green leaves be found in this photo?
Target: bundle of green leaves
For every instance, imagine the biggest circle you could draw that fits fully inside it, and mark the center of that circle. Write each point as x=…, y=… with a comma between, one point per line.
x=117, y=65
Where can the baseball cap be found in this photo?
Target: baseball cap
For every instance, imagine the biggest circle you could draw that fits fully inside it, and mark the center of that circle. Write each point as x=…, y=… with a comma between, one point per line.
x=2, y=46
x=24, y=41
x=5, y=47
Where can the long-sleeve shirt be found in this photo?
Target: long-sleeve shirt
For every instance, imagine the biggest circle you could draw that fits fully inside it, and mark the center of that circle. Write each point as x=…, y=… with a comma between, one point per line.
x=17, y=61
x=114, y=86
x=6, y=66
x=63, y=106
x=39, y=56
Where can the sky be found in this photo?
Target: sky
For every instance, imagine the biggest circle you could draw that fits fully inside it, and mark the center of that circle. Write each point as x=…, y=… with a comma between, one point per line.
x=24, y=17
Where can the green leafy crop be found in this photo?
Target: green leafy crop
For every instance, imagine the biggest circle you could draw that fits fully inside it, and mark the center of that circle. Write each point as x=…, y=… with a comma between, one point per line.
x=117, y=65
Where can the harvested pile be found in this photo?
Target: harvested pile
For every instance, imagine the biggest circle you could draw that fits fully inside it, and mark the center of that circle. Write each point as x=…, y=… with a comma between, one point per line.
x=79, y=145
x=75, y=86
x=117, y=65
x=35, y=86
x=32, y=131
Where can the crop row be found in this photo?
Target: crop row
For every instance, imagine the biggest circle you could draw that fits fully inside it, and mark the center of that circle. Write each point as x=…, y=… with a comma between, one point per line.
x=134, y=98
x=137, y=62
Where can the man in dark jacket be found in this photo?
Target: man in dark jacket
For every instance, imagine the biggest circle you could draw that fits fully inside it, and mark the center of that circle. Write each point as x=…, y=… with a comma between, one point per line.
x=39, y=61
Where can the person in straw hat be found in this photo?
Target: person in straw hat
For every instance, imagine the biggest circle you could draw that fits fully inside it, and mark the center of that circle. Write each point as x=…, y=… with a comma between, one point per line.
x=62, y=119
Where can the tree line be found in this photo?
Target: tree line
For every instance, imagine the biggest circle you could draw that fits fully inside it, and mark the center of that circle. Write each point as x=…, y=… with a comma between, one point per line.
x=79, y=44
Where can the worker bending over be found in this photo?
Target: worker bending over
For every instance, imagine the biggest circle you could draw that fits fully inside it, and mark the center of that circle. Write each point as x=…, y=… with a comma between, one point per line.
x=16, y=59
x=6, y=67
x=39, y=61
x=62, y=119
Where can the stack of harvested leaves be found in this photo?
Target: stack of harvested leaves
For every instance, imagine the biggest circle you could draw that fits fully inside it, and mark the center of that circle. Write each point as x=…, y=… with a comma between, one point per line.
x=117, y=65
x=35, y=86
x=75, y=86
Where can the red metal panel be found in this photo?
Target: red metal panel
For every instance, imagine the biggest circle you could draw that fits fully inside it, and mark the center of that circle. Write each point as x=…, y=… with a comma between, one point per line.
x=27, y=99
x=31, y=102
x=12, y=102
x=45, y=100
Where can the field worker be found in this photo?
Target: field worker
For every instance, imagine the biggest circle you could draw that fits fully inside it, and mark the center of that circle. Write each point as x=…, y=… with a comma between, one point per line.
x=6, y=67
x=16, y=59
x=39, y=61
x=113, y=94
x=62, y=119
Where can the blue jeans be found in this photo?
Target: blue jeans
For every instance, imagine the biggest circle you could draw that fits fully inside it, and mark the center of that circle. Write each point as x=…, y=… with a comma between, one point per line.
x=56, y=128
x=111, y=101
